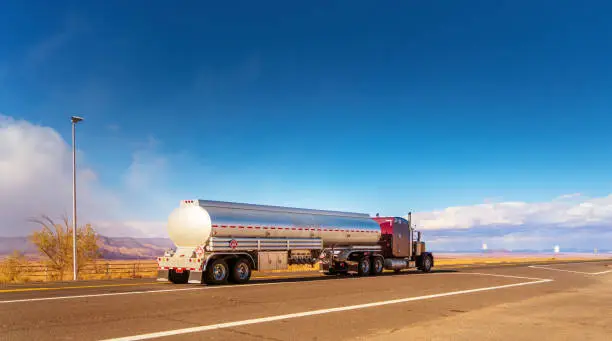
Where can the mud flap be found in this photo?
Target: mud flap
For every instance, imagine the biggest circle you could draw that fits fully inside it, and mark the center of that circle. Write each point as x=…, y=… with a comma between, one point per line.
x=162, y=275
x=195, y=277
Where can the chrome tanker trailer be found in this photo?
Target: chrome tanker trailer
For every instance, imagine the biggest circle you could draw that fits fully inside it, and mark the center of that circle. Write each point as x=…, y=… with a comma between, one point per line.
x=219, y=241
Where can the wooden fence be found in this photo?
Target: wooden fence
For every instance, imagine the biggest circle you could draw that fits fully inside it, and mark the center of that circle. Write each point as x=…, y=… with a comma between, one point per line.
x=38, y=272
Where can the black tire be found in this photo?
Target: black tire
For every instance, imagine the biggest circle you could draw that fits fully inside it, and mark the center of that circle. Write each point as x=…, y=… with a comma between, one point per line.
x=426, y=263
x=364, y=266
x=217, y=272
x=181, y=278
x=241, y=271
x=378, y=266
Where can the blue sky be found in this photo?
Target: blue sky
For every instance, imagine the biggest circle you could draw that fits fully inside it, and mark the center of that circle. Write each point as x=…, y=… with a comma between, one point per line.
x=356, y=105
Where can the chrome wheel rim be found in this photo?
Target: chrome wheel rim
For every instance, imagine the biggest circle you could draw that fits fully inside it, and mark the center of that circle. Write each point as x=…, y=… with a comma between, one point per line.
x=243, y=271
x=365, y=266
x=378, y=265
x=219, y=272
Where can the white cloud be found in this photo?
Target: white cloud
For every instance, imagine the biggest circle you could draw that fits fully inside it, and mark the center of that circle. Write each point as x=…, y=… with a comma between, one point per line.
x=563, y=213
x=36, y=179
x=570, y=196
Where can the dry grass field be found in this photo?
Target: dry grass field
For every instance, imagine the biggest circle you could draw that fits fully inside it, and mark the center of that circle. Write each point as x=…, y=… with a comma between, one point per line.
x=443, y=260
x=35, y=271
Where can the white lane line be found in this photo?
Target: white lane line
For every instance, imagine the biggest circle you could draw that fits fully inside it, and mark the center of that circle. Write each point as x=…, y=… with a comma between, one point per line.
x=137, y=292
x=97, y=295
x=505, y=276
x=173, y=290
x=188, y=289
x=315, y=312
x=572, y=271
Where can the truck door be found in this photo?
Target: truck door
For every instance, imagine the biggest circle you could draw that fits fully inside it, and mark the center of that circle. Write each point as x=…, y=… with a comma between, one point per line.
x=401, y=238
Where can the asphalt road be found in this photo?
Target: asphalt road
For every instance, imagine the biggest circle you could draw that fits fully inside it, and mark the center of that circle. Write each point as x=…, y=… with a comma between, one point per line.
x=560, y=301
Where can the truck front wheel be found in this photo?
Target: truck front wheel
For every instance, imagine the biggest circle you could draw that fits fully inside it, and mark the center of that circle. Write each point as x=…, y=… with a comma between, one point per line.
x=241, y=271
x=217, y=273
x=426, y=264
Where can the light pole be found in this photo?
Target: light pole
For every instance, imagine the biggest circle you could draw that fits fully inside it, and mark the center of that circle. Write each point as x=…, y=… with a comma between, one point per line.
x=74, y=120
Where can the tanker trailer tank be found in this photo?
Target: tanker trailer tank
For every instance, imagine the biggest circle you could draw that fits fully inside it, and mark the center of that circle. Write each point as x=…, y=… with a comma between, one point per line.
x=196, y=221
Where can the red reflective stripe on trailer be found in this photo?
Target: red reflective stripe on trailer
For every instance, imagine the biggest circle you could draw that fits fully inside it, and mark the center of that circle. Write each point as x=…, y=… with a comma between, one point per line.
x=265, y=227
x=215, y=225
x=286, y=228
x=318, y=229
x=271, y=228
x=249, y=227
x=224, y=226
x=240, y=227
x=257, y=227
x=313, y=229
x=232, y=226
x=299, y=228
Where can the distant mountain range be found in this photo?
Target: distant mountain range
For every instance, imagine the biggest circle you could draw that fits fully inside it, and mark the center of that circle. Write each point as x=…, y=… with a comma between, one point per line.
x=111, y=247
x=150, y=248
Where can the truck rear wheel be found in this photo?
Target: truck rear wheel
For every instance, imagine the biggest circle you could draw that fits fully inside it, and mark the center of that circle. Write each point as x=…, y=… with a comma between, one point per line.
x=377, y=266
x=363, y=268
x=241, y=271
x=217, y=273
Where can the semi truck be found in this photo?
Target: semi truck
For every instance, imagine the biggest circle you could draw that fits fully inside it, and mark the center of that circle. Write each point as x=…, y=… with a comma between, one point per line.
x=219, y=242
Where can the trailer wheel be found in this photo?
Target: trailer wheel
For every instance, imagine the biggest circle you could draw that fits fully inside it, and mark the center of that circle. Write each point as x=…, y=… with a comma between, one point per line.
x=426, y=264
x=363, y=269
x=217, y=273
x=377, y=266
x=181, y=278
x=241, y=271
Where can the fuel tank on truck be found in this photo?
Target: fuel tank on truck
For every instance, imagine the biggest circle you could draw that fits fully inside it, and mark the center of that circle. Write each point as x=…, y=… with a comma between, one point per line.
x=195, y=221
